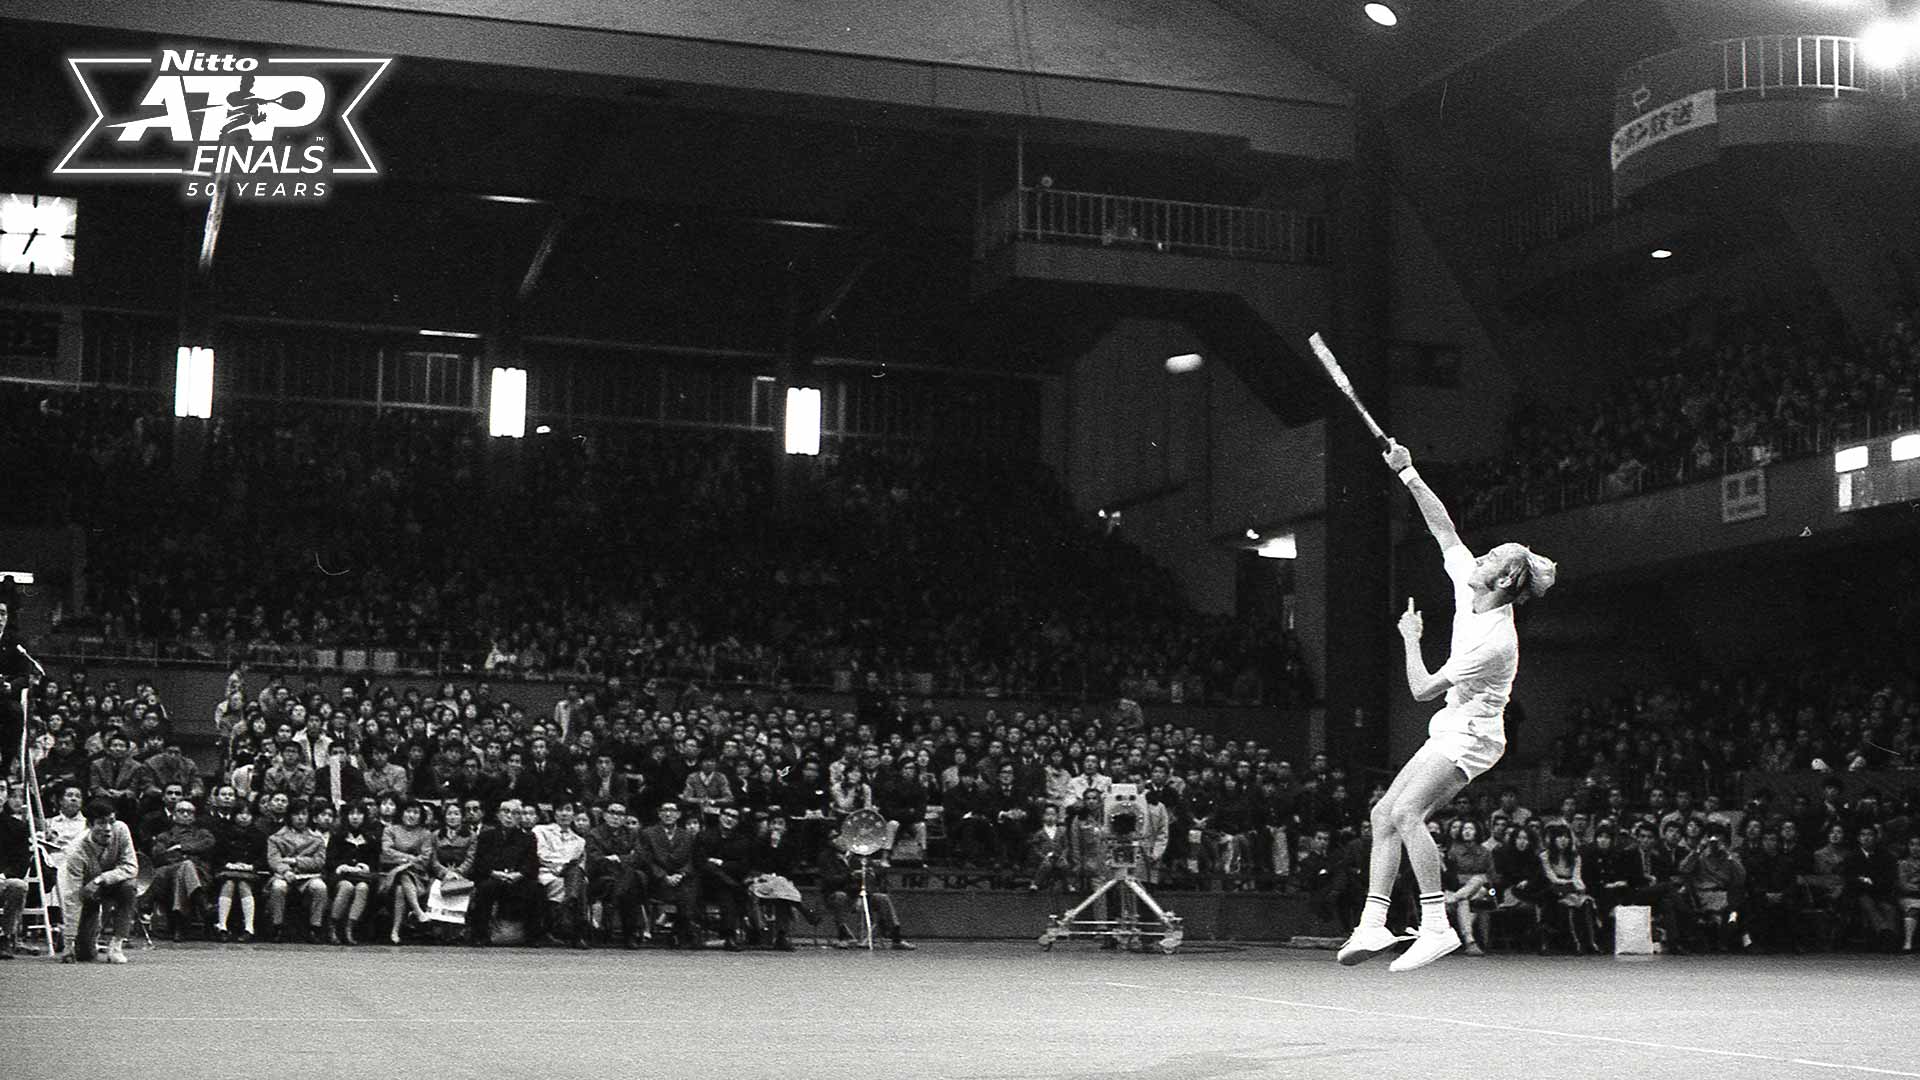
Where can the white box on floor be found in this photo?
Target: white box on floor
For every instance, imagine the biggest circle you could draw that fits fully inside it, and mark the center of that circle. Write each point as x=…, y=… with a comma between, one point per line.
x=1632, y=930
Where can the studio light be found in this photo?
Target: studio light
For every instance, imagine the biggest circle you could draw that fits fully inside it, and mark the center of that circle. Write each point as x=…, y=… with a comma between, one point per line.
x=803, y=420
x=1382, y=14
x=507, y=404
x=193, y=382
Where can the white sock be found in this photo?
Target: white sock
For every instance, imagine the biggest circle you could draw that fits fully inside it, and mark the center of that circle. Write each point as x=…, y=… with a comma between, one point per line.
x=246, y=913
x=1375, y=913
x=1433, y=912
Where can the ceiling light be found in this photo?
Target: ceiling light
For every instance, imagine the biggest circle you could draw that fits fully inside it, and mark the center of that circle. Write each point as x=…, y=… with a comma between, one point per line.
x=1662, y=253
x=1382, y=14
x=1253, y=534
x=1886, y=44
x=1853, y=457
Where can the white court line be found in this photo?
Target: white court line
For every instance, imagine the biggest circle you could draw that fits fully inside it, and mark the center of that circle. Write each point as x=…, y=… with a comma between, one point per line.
x=1710, y=1050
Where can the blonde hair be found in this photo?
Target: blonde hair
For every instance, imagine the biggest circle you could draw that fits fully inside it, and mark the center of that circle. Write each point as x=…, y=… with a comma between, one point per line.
x=1533, y=575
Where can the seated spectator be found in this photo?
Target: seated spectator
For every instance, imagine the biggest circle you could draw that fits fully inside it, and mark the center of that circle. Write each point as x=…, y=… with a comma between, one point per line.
x=240, y=858
x=453, y=843
x=353, y=861
x=1872, y=880
x=297, y=856
x=102, y=867
x=561, y=846
x=182, y=860
x=1561, y=864
x=722, y=853
x=613, y=883
x=1772, y=908
x=290, y=775
x=1469, y=868
x=506, y=866
x=666, y=849
x=1713, y=887
x=771, y=869
x=406, y=866
x=1519, y=879
x=340, y=782
x=117, y=777
x=843, y=876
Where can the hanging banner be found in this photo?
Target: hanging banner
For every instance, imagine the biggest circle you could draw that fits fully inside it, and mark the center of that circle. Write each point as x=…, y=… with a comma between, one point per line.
x=1657, y=125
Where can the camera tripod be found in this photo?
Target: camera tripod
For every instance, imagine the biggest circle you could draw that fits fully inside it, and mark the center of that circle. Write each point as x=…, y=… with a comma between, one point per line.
x=1128, y=929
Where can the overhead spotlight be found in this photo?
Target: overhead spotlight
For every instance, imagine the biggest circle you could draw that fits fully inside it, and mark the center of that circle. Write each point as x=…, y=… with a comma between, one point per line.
x=1253, y=534
x=1887, y=44
x=1382, y=14
x=1661, y=253
x=543, y=429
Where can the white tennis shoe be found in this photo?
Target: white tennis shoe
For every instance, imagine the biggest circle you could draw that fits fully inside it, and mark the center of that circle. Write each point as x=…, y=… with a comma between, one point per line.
x=1428, y=946
x=1366, y=943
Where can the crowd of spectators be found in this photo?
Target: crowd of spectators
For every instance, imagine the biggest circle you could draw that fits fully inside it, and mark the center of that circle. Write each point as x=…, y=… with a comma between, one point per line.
x=697, y=554
x=352, y=813
x=1730, y=387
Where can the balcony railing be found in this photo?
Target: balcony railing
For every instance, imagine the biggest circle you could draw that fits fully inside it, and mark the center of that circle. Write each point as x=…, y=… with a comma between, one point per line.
x=1162, y=225
x=1818, y=63
x=1520, y=501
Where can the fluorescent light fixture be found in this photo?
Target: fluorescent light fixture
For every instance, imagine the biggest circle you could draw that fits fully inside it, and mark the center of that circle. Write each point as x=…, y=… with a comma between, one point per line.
x=1279, y=547
x=449, y=333
x=765, y=378
x=20, y=577
x=1382, y=14
x=1853, y=457
x=543, y=429
x=507, y=405
x=1661, y=253
x=1906, y=448
x=513, y=200
x=1886, y=44
x=803, y=420
x=193, y=382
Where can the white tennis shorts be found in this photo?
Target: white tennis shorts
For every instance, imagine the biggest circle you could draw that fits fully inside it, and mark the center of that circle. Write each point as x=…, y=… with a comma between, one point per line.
x=1474, y=754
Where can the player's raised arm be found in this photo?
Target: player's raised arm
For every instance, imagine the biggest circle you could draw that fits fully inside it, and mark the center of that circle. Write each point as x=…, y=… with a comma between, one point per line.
x=1431, y=508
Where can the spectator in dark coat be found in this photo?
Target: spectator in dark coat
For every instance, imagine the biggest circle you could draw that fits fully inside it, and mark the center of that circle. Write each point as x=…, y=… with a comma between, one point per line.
x=666, y=849
x=506, y=866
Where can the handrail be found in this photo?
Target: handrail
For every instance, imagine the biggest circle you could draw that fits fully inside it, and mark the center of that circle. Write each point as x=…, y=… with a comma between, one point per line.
x=1216, y=230
x=1830, y=64
x=1521, y=501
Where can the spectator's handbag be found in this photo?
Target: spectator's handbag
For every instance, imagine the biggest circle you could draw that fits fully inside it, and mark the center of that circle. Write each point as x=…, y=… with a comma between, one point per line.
x=447, y=900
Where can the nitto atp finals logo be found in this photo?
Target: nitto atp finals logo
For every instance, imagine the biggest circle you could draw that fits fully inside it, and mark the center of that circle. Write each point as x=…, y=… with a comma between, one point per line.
x=270, y=127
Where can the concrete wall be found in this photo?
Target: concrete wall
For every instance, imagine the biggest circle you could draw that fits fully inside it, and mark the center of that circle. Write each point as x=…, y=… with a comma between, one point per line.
x=1452, y=424
x=1121, y=427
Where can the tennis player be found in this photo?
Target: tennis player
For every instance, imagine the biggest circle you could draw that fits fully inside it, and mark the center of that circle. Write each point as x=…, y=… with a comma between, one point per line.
x=1463, y=740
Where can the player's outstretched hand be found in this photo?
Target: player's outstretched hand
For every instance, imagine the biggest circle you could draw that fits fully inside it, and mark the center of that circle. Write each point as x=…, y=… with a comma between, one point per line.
x=1397, y=456
x=1411, y=625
